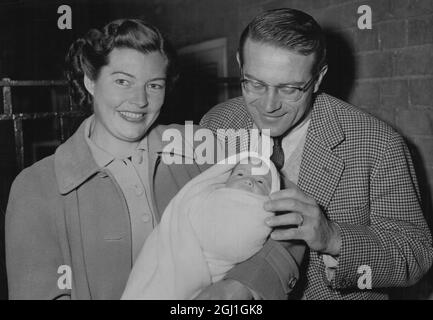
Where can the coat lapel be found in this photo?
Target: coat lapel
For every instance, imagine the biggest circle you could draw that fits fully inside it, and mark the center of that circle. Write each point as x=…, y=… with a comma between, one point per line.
x=321, y=167
x=97, y=219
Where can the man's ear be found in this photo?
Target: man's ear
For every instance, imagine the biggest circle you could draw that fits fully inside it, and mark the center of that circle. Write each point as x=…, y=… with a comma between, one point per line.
x=320, y=78
x=89, y=84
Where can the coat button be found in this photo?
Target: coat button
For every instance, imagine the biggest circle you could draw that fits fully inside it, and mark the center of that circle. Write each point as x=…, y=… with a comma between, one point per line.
x=292, y=282
x=327, y=170
x=345, y=282
x=138, y=190
x=145, y=218
x=103, y=174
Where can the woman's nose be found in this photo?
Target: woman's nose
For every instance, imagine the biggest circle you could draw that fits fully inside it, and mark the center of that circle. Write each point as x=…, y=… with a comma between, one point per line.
x=140, y=98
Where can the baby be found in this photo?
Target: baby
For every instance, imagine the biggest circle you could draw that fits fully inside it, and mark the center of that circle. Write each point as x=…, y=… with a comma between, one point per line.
x=242, y=178
x=213, y=223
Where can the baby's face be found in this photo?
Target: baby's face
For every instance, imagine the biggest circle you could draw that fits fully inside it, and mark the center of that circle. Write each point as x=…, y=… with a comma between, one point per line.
x=242, y=178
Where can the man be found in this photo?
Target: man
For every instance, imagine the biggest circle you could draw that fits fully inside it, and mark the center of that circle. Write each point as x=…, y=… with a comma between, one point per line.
x=354, y=199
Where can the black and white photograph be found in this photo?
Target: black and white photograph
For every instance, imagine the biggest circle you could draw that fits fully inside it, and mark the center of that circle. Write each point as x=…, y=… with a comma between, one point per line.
x=216, y=150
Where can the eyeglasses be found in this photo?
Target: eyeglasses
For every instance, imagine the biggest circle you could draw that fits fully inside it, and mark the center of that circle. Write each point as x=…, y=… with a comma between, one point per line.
x=286, y=91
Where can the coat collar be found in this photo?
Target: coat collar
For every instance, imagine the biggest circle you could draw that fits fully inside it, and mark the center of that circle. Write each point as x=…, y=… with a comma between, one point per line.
x=74, y=163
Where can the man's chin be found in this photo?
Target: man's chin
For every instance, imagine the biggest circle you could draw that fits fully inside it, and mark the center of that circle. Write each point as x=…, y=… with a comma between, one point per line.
x=275, y=131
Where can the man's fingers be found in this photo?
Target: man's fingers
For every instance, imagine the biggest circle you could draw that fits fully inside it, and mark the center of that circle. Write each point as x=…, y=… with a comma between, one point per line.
x=287, y=234
x=291, y=193
x=285, y=204
x=285, y=220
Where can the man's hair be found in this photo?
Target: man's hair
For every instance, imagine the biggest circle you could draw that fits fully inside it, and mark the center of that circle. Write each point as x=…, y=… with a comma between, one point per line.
x=287, y=29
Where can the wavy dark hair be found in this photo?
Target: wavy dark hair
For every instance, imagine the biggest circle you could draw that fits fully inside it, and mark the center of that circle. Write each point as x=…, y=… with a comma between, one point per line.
x=287, y=29
x=87, y=55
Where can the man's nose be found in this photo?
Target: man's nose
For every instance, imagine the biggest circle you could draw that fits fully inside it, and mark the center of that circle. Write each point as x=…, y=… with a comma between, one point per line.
x=140, y=97
x=272, y=101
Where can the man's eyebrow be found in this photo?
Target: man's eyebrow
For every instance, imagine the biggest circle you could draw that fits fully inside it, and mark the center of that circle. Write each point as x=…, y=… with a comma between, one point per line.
x=295, y=83
x=253, y=78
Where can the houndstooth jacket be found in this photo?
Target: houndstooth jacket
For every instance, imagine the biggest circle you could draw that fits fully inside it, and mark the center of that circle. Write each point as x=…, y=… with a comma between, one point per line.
x=360, y=172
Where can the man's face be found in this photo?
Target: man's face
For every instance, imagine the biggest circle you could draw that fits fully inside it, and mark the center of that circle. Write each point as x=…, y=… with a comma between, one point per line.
x=276, y=66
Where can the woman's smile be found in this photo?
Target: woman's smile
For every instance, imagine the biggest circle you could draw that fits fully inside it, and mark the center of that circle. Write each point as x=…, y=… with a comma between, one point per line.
x=132, y=116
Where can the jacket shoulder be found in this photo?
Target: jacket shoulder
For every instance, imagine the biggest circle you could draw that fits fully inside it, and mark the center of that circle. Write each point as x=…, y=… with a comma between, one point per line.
x=34, y=196
x=231, y=114
x=358, y=122
x=36, y=177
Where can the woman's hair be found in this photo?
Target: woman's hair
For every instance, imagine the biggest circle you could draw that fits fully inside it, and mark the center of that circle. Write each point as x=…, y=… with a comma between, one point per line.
x=87, y=55
x=288, y=29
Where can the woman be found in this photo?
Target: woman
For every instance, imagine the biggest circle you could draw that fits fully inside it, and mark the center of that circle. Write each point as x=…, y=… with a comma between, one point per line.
x=76, y=220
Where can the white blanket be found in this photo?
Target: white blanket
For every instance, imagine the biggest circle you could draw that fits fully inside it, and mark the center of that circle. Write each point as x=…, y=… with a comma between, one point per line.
x=205, y=230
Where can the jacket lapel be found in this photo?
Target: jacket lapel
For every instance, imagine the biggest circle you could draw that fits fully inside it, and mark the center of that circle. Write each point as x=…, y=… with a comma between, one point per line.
x=321, y=167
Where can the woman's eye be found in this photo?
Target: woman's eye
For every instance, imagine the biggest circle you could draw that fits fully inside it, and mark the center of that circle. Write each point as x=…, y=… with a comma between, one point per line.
x=260, y=181
x=156, y=86
x=240, y=174
x=122, y=82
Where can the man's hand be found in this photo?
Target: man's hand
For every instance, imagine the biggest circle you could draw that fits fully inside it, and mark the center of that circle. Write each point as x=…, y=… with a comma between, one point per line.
x=225, y=290
x=302, y=211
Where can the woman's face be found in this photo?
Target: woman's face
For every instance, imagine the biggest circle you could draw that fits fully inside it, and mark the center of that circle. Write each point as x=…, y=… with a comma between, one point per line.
x=127, y=96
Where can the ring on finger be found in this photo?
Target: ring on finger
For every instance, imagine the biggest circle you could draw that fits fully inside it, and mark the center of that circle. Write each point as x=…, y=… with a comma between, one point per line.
x=302, y=220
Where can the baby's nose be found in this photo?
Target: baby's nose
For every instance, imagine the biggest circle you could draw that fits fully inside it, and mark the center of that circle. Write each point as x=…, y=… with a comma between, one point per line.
x=248, y=181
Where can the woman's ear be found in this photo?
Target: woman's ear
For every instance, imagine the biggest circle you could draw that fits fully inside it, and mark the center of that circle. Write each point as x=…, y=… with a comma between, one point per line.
x=238, y=60
x=89, y=84
x=320, y=78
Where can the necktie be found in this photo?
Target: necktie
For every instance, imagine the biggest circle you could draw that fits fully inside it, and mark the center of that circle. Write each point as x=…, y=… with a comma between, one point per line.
x=277, y=156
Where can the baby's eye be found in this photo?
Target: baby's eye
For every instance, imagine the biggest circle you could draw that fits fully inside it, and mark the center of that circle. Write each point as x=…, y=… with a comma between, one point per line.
x=240, y=174
x=122, y=82
x=260, y=181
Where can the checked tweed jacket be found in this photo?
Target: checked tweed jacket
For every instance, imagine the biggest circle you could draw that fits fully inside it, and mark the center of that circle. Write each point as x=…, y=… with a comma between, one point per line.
x=360, y=172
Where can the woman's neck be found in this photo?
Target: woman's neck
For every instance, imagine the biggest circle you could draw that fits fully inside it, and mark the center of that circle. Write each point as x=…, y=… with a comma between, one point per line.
x=120, y=149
